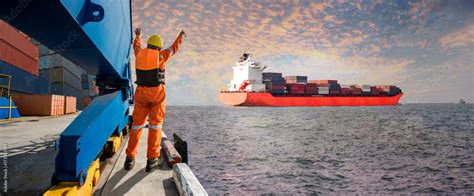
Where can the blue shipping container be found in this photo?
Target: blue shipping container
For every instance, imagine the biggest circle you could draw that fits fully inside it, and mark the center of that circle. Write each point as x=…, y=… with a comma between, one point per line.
x=64, y=89
x=23, y=81
x=87, y=81
x=272, y=76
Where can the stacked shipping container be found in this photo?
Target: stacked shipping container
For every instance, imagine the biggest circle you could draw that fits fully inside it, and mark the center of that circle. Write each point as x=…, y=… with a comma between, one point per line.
x=43, y=59
x=37, y=70
x=40, y=105
x=334, y=89
x=366, y=89
x=270, y=76
x=323, y=90
x=356, y=89
x=23, y=81
x=322, y=82
x=374, y=90
x=311, y=89
x=326, y=87
x=88, y=83
x=19, y=59
x=16, y=49
x=299, y=85
x=296, y=79
x=295, y=88
x=389, y=90
x=63, y=76
x=346, y=91
x=274, y=82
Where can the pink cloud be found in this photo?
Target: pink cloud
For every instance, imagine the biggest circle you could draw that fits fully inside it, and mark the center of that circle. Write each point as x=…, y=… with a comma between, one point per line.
x=459, y=38
x=220, y=31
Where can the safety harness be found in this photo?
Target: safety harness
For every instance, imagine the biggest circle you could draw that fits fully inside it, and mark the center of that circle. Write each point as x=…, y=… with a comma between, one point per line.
x=150, y=78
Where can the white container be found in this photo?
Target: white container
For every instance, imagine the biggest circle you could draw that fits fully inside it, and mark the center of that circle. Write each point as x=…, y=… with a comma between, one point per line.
x=323, y=92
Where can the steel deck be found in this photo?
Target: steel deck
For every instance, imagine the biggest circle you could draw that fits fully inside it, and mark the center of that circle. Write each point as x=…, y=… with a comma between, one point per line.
x=137, y=181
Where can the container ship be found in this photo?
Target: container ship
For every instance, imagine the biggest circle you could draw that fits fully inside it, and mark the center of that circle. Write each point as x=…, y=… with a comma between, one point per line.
x=251, y=86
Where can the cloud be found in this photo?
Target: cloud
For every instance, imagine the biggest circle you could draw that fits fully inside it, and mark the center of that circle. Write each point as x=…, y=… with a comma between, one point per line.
x=317, y=6
x=354, y=42
x=459, y=38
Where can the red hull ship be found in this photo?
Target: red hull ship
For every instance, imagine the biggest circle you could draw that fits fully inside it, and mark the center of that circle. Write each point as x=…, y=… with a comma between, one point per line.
x=269, y=100
x=251, y=86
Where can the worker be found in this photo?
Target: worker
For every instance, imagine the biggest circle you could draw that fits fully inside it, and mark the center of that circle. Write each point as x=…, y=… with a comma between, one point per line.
x=150, y=95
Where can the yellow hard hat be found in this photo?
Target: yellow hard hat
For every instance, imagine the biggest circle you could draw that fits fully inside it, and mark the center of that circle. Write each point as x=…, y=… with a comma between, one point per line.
x=155, y=40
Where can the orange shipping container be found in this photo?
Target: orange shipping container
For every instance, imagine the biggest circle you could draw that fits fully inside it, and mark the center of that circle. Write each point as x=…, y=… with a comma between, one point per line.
x=322, y=81
x=18, y=59
x=70, y=105
x=40, y=105
x=16, y=49
x=346, y=91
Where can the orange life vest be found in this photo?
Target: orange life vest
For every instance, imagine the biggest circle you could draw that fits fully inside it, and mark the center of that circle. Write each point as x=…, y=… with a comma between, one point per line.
x=149, y=71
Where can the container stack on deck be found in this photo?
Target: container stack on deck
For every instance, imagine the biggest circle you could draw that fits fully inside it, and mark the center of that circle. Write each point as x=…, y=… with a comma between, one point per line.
x=274, y=82
x=346, y=90
x=295, y=88
x=296, y=79
x=88, y=83
x=300, y=85
x=366, y=89
x=19, y=59
x=63, y=76
x=388, y=90
x=296, y=85
x=311, y=89
x=356, y=89
x=327, y=87
x=42, y=82
x=17, y=49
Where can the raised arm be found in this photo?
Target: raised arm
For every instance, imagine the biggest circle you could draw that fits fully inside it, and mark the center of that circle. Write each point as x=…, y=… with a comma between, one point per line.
x=175, y=46
x=173, y=49
x=136, y=42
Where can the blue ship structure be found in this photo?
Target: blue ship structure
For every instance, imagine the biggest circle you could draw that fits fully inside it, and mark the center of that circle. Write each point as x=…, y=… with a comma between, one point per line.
x=95, y=35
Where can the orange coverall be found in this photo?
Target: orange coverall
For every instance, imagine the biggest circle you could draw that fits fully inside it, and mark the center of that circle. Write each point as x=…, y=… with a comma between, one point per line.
x=149, y=101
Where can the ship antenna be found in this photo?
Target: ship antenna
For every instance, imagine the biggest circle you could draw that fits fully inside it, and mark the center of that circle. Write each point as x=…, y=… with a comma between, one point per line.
x=247, y=50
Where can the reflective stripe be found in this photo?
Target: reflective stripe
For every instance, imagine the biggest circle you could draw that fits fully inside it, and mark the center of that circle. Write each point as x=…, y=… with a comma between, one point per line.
x=137, y=127
x=161, y=57
x=155, y=126
x=172, y=51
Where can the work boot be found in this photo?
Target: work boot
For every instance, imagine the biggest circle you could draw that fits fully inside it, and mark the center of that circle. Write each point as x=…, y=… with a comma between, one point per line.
x=129, y=162
x=152, y=164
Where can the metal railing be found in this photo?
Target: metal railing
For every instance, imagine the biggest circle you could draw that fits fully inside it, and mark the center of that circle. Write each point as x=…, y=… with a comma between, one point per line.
x=5, y=85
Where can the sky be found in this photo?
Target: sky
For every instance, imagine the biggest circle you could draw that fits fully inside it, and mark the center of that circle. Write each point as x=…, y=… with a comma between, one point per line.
x=424, y=47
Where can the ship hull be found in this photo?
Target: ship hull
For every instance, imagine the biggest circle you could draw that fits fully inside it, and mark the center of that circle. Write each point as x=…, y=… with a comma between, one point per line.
x=267, y=99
